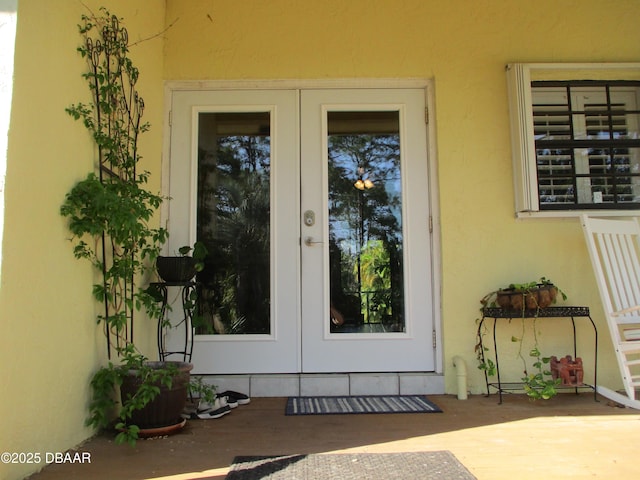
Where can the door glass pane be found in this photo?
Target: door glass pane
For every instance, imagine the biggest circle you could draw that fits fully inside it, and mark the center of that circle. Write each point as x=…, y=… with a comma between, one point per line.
x=365, y=222
x=234, y=162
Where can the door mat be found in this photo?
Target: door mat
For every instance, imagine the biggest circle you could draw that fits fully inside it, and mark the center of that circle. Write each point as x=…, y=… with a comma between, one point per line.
x=360, y=404
x=436, y=465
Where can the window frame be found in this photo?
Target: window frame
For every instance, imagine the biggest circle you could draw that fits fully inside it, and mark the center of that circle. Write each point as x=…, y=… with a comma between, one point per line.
x=525, y=175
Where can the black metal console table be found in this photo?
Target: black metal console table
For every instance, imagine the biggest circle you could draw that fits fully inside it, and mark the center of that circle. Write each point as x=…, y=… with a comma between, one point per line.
x=186, y=290
x=548, y=312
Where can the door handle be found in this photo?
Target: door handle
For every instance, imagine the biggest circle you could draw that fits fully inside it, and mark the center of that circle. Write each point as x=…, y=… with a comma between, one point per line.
x=310, y=242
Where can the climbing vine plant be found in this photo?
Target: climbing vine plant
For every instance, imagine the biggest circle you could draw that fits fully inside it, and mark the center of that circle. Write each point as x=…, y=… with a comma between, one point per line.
x=110, y=210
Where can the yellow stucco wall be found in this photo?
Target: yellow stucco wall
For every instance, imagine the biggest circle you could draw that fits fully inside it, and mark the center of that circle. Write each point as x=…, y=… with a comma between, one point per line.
x=49, y=345
x=49, y=342
x=463, y=45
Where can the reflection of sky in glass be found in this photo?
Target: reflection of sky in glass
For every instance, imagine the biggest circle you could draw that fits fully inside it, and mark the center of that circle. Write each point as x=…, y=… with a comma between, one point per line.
x=365, y=220
x=349, y=206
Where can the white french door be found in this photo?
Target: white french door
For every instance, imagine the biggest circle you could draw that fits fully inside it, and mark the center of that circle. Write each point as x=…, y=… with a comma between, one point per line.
x=314, y=206
x=366, y=288
x=234, y=184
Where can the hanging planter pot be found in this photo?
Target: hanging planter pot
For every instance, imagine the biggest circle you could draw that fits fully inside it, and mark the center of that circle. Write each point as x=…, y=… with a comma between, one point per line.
x=182, y=268
x=176, y=269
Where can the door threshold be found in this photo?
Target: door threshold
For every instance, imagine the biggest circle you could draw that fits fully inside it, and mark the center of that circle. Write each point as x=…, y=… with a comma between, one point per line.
x=320, y=384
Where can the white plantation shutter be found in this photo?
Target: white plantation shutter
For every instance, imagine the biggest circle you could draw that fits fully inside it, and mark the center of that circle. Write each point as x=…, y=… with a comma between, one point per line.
x=552, y=122
x=609, y=121
x=576, y=143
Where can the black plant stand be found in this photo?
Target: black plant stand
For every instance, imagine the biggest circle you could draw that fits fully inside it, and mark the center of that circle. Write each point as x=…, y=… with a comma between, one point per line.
x=548, y=312
x=186, y=291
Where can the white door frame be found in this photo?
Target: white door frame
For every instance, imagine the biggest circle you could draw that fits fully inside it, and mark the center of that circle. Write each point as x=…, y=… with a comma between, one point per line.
x=433, y=215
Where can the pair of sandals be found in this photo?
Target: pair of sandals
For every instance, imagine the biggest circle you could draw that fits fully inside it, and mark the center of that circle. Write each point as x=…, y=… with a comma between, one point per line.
x=222, y=405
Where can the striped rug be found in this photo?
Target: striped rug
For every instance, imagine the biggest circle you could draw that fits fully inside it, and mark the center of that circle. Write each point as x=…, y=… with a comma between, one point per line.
x=360, y=404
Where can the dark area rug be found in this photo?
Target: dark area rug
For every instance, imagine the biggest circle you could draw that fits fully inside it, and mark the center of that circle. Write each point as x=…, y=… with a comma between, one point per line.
x=440, y=465
x=360, y=404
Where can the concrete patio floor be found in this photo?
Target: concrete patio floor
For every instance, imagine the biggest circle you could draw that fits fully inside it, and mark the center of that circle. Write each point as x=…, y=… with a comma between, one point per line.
x=569, y=436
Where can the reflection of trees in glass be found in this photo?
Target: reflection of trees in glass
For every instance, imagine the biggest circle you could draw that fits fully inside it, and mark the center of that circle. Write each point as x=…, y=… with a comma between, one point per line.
x=375, y=278
x=233, y=222
x=366, y=227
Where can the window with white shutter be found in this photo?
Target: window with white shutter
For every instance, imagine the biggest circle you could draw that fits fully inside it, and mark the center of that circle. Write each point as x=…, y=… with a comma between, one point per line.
x=576, y=143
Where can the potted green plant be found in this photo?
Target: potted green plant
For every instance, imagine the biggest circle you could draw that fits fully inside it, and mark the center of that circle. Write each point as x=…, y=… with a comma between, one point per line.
x=109, y=215
x=538, y=381
x=531, y=295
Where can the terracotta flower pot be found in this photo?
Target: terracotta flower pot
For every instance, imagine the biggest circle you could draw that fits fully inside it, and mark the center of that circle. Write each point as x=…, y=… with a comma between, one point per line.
x=539, y=297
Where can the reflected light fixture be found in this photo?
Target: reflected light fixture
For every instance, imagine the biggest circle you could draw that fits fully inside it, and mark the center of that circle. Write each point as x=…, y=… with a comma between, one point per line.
x=362, y=184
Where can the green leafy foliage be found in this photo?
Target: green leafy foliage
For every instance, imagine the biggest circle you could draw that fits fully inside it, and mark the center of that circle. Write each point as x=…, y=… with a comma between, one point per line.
x=109, y=215
x=201, y=390
x=198, y=252
x=110, y=211
x=538, y=385
x=104, y=385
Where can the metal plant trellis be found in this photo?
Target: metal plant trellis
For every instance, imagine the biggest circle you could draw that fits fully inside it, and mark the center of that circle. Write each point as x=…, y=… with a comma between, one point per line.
x=123, y=237
x=107, y=58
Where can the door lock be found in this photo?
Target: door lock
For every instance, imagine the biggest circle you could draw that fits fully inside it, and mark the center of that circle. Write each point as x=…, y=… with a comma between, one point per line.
x=309, y=218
